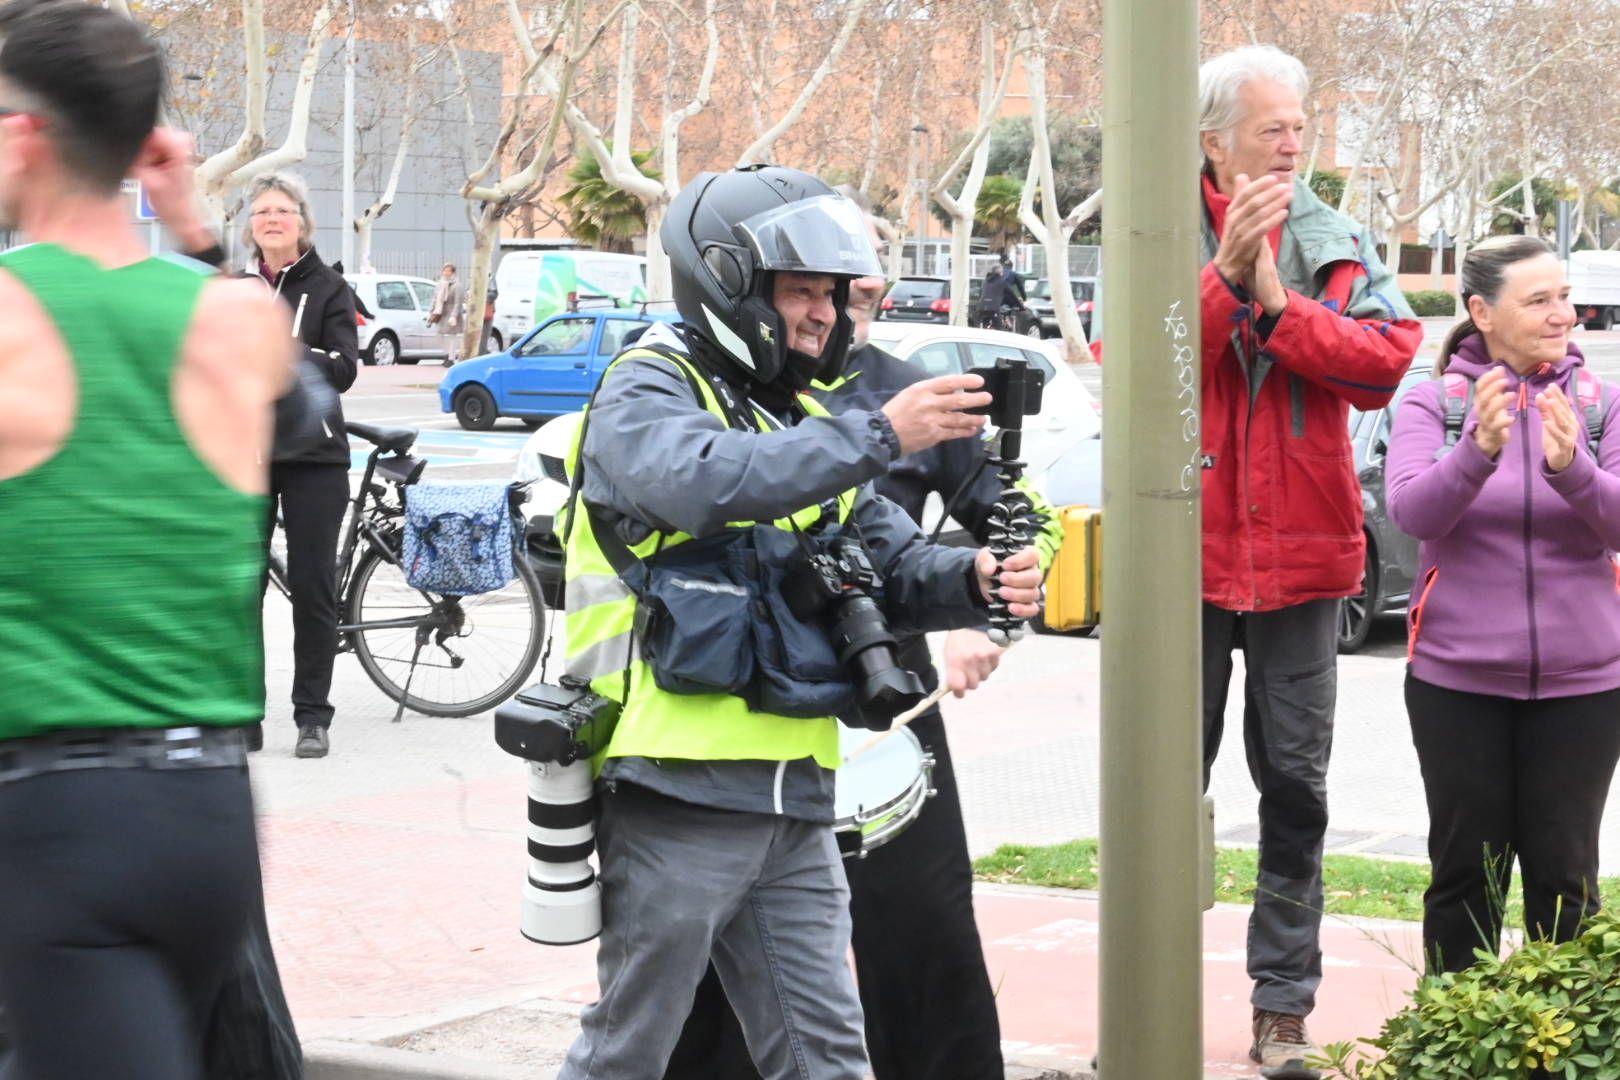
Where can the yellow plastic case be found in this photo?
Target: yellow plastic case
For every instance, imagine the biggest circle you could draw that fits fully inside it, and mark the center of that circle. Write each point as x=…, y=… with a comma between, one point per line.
x=1074, y=584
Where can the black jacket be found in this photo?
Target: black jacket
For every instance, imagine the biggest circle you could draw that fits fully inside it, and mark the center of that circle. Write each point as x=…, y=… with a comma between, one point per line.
x=871, y=378
x=323, y=319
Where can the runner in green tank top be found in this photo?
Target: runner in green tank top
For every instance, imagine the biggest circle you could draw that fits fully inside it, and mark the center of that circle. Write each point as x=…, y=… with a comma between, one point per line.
x=135, y=407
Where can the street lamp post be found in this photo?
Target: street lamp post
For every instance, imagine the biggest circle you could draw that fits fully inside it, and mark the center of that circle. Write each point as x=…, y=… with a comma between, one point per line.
x=348, y=147
x=922, y=244
x=1151, y=939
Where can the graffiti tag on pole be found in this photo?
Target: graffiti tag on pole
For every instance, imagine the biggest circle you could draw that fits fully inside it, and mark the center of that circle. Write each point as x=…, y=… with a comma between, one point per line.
x=1184, y=359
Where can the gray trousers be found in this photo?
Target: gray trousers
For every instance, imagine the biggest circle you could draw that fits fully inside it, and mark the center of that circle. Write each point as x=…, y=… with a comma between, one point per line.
x=763, y=896
x=1291, y=659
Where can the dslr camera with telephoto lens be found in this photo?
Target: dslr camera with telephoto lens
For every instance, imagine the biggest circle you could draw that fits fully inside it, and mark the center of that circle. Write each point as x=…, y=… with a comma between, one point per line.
x=557, y=728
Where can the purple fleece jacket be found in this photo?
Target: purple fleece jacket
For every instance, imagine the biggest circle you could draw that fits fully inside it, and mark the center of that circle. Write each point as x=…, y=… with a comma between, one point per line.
x=1517, y=593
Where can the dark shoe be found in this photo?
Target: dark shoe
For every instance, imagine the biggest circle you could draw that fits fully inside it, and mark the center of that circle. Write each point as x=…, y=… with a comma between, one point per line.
x=253, y=736
x=1282, y=1046
x=312, y=742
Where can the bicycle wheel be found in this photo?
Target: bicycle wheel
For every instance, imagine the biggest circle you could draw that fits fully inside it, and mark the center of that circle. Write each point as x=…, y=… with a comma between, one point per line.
x=475, y=651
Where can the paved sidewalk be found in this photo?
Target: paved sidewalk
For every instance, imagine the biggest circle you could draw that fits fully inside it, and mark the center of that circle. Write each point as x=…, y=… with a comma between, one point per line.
x=393, y=870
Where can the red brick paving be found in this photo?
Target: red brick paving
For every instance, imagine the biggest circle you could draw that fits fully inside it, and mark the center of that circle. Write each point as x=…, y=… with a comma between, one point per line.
x=390, y=908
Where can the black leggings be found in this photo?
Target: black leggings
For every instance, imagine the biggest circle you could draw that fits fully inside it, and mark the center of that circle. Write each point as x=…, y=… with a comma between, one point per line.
x=125, y=895
x=1510, y=779
x=312, y=500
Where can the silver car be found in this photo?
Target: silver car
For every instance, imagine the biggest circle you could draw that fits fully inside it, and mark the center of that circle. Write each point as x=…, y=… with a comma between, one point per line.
x=1391, y=555
x=396, y=330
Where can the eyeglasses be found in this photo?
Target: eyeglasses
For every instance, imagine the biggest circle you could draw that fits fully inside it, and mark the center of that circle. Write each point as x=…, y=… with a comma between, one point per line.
x=274, y=212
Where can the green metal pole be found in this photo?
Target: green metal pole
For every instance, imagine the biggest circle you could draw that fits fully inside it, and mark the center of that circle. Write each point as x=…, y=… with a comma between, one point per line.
x=1151, y=961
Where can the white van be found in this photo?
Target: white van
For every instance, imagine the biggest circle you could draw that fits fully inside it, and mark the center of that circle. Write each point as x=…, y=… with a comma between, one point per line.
x=532, y=286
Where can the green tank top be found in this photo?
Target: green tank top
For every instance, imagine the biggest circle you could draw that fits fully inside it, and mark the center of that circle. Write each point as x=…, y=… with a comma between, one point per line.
x=129, y=572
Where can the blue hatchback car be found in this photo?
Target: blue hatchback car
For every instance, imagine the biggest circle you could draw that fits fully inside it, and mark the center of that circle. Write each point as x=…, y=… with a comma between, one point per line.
x=549, y=371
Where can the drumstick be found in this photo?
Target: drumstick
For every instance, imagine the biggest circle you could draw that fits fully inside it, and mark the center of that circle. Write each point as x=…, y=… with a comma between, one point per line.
x=908, y=716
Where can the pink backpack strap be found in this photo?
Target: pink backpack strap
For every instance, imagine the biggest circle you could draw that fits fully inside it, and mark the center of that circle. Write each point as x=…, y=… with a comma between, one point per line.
x=1592, y=399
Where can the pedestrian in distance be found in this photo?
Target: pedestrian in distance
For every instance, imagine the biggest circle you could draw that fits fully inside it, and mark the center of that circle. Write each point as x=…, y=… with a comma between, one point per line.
x=716, y=787
x=992, y=294
x=929, y=1004
x=1300, y=321
x=1507, y=469
x=138, y=390
x=446, y=313
x=1013, y=282
x=308, y=484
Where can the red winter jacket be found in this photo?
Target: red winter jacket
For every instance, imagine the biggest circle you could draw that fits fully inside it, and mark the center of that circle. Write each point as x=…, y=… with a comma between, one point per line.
x=1282, y=505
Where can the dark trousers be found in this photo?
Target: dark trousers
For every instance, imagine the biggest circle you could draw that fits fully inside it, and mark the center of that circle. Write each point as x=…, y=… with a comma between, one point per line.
x=312, y=500
x=125, y=895
x=1291, y=657
x=1505, y=779
x=919, y=965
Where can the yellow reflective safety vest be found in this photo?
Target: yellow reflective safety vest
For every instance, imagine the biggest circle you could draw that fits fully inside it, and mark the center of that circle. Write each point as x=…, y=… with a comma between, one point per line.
x=602, y=645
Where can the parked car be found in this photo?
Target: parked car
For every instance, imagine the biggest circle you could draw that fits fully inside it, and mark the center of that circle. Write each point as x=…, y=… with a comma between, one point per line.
x=532, y=286
x=1391, y=554
x=397, y=331
x=1040, y=302
x=1068, y=412
x=540, y=465
x=549, y=372
x=928, y=300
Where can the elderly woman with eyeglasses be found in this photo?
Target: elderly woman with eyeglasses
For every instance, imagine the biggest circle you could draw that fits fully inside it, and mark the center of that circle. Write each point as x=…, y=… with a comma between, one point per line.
x=310, y=485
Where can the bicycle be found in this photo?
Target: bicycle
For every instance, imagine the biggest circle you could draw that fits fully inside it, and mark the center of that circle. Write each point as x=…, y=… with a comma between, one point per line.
x=1004, y=319
x=474, y=651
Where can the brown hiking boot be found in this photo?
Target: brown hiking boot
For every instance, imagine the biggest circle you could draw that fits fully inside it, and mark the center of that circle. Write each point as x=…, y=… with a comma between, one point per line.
x=1281, y=1046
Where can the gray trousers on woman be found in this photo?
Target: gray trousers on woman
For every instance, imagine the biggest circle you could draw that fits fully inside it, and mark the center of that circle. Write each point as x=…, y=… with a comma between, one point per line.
x=763, y=896
x=1291, y=657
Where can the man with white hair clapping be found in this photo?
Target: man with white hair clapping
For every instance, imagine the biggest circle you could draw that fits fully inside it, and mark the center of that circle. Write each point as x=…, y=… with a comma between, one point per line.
x=1300, y=322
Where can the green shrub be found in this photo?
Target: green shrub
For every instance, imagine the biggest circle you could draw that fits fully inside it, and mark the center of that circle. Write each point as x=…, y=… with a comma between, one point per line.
x=1545, y=1010
x=1430, y=302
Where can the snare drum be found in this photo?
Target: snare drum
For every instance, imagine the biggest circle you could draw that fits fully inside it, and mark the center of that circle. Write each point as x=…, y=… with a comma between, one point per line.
x=881, y=791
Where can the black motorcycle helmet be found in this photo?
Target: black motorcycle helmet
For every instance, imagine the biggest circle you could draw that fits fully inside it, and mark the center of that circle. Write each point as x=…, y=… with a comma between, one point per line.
x=728, y=234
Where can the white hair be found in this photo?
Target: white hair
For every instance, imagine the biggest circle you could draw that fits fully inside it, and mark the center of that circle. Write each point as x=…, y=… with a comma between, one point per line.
x=291, y=185
x=1222, y=78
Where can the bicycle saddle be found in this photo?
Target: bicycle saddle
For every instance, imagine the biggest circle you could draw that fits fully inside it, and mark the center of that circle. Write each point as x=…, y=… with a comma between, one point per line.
x=399, y=439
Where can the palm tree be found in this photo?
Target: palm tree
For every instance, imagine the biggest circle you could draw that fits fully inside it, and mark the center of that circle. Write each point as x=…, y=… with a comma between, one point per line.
x=997, y=209
x=599, y=214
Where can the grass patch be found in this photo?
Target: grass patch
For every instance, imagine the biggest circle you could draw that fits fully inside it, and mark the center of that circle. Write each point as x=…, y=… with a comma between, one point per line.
x=1352, y=884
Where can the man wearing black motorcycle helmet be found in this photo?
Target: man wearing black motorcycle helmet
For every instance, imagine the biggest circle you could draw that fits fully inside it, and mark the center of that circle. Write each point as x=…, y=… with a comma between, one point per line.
x=716, y=809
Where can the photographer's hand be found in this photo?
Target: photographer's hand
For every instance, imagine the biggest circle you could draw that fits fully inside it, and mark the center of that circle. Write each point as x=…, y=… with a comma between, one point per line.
x=970, y=658
x=1020, y=580
x=928, y=413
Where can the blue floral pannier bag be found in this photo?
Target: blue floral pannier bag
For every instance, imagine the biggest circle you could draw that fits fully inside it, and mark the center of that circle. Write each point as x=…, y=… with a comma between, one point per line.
x=458, y=538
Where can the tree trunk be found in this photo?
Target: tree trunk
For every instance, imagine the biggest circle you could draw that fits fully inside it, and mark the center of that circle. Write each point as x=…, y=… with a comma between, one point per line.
x=485, y=232
x=896, y=237
x=659, y=286
x=976, y=156
x=1052, y=233
x=368, y=217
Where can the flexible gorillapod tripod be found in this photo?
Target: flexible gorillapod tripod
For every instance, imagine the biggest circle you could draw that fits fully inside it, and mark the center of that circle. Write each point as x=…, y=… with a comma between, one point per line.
x=1016, y=389
x=1015, y=392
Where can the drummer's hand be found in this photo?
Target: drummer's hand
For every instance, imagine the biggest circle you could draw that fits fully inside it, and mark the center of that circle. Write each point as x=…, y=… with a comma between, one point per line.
x=1020, y=580
x=970, y=657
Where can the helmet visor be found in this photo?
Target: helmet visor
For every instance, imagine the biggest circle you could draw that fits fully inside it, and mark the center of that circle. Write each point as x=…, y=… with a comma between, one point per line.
x=823, y=235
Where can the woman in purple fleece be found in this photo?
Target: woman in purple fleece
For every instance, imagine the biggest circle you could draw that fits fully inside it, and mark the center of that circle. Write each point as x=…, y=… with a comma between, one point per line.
x=1513, y=686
